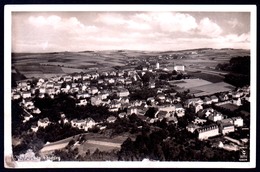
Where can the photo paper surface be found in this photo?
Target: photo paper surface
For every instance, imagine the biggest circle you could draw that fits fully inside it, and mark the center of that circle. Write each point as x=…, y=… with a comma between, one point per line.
x=130, y=86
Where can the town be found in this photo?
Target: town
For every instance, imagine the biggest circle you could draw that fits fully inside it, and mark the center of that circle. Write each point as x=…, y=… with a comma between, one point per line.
x=149, y=98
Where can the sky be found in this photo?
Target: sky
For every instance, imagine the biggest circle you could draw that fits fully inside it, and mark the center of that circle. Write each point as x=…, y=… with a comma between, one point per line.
x=128, y=30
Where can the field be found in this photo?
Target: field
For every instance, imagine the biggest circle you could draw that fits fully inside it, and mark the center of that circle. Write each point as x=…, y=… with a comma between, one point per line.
x=210, y=89
x=189, y=83
x=93, y=142
x=51, y=64
x=208, y=77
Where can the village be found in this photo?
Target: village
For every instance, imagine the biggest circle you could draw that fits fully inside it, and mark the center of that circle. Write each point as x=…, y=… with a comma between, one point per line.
x=116, y=91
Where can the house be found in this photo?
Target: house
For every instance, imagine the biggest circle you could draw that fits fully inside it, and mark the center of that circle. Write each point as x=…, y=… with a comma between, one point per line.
x=120, y=73
x=49, y=84
x=86, y=83
x=151, y=100
x=89, y=124
x=238, y=121
x=16, y=96
x=41, y=95
x=179, y=110
x=42, y=90
x=193, y=101
x=205, y=112
x=199, y=121
x=215, y=116
x=207, y=131
x=82, y=95
x=113, y=73
x=179, y=68
x=111, y=119
x=82, y=102
x=123, y=92
x=136, y=103
x=93, y=90
x=162, y=114
x=214, y=99
x=247, y=97
x=168, y=108
x=43, y=122
x=41, y=80
x=207, y=101
x=50, y=90
x=160, y=97
x=197, y=107
x=237, y=101
x=22, y=83
x=96, y=100
x=122, y=115
x=27, y=117
x=226, y=128
x=76, y=77
x=74, y=85
x=132, y=110
x=151, y=85
x=34, y=128
x=128, y=81
x=223, y=97
x=36, y=111
x=94, y=75
x=100, y=81
x=67, y=78
x=120, y=80
x=26, y=94
x=27, y=102
x=192, y=127
x=144, y=68
x=124, y=100
x=86, y=77
x=104, y=94
x=115, y=104
x=236, y=95
x=80, y=124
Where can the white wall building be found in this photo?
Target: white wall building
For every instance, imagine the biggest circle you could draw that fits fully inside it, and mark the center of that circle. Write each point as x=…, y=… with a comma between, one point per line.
x=208, y=131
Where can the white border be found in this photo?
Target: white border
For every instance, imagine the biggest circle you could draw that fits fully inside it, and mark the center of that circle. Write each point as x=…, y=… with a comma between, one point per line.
x=122, y=164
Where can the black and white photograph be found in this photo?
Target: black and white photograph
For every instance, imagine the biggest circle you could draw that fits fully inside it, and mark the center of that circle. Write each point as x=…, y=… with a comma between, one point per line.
x=167, y=86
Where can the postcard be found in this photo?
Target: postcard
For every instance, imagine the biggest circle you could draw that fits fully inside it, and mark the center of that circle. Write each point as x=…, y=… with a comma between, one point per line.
x=130, y=86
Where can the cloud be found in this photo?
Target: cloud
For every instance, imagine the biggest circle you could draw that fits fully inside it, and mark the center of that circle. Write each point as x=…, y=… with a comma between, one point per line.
x=245, y=37
x=234, y=22
x=208, y=28
x=169, y=21
x=71, y=24
x=113, y=19
x=43, y=21
x=125, y=30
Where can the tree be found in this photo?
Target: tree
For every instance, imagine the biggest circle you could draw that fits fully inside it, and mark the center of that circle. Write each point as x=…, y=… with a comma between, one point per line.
x=151, y=112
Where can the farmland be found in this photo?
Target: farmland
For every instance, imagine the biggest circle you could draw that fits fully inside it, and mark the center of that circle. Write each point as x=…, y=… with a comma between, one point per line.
x=210, y=89
x=58, y=63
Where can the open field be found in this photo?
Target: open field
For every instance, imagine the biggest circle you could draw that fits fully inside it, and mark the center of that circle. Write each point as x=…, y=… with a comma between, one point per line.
x=189, y=83
x=214, y=78
x=34, y=64
x=93, y=142
x=210, y=89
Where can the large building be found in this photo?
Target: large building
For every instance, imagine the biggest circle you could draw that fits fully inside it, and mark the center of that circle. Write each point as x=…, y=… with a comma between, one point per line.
x=208, y=131
x=179, y=68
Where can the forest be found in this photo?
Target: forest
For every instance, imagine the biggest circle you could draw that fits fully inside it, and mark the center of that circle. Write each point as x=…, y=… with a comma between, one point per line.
x=239, y=71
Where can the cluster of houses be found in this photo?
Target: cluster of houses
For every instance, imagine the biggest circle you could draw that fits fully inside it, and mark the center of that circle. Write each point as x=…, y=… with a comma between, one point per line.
x=111, y=90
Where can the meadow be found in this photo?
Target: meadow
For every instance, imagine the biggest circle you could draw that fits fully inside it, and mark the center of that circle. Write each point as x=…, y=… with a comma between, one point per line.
x=57, y=63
